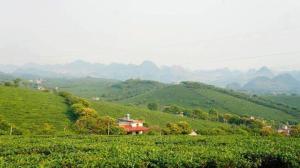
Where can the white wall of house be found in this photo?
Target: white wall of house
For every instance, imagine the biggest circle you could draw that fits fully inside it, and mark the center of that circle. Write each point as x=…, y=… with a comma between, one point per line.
x=134, y=124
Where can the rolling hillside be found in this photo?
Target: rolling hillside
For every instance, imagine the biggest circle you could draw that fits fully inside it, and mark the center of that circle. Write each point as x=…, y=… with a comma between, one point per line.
x=85, y=87
x=106, y=89
x=206, y=97
x=192, y=96
x=29, y=109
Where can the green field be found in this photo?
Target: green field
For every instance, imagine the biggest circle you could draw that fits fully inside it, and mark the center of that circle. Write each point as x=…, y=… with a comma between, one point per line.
x=149, y=151
x=30, y=109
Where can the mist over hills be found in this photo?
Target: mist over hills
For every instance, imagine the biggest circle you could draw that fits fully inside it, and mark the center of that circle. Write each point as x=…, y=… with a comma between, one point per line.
x=283, y=83
x=262, y=80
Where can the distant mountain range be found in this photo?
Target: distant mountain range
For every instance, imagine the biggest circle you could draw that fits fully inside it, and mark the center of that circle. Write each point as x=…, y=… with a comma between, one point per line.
x=283, y=83
x=254, y=80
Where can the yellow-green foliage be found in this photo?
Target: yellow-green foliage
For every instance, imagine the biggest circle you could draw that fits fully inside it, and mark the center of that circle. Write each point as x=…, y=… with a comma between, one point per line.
x=180, y=128
x=87, y=119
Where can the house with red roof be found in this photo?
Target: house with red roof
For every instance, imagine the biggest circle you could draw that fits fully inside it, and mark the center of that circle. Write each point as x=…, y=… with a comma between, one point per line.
x=132, y=126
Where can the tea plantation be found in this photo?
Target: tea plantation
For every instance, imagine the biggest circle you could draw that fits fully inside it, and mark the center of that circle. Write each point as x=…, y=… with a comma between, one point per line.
x=149, y=151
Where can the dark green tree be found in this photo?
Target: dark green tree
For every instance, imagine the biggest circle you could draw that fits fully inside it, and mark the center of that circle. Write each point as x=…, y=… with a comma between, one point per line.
x=153, y=106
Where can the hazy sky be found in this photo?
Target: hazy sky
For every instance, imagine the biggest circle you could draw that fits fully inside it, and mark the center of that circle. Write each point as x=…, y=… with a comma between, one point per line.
x=201, y=34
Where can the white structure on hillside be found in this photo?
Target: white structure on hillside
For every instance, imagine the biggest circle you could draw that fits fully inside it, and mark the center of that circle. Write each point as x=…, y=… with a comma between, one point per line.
x=132, y=126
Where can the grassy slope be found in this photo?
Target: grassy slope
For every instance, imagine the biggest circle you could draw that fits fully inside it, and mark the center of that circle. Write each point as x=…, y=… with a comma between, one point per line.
x=208, y=98
x=293, y=101
x=25, y=108
x=150, y=117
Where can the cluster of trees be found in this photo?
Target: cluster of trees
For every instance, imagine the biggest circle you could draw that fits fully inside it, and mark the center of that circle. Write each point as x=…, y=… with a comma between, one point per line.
x=295, y=131
x=179, y=128
x=15, y=83
x=87, y=119
x=257, y=126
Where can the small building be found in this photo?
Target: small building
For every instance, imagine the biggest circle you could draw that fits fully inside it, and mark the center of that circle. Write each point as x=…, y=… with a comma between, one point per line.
x=181, y=114
x=132, y=126
x=39, y=81
x=40, y=88
x=252, y=118
x=285, y=130
x=95, y=98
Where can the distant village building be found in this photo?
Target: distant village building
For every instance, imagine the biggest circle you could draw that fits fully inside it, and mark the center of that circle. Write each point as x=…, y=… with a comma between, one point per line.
x=252, y=118
x=95, y=98
x=39, y=81
x=40, y=88
x=38, y=84
x=132, y=126
x=285, y=129
x=181, y=114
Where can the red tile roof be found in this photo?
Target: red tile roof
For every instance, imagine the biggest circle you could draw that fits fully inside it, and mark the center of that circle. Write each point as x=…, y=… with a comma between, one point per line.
x=129, y=128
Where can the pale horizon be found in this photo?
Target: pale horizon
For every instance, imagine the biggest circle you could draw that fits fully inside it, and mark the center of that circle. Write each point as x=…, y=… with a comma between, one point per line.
x=195, y=35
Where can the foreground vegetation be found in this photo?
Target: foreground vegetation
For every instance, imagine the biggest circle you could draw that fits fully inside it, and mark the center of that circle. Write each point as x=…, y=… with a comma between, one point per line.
x=149, y=151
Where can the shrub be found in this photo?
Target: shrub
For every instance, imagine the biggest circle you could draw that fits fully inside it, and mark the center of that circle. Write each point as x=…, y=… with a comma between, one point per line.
x=295, y=131
x=266, y=131
x=47, y=129
x=153, y=106
x=177, y=128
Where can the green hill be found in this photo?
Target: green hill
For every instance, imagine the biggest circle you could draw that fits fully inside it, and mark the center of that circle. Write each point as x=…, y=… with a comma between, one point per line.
x=85, y=87
x=106, y=89
x=30, y=109
x=187, y=95
x=196, y=95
